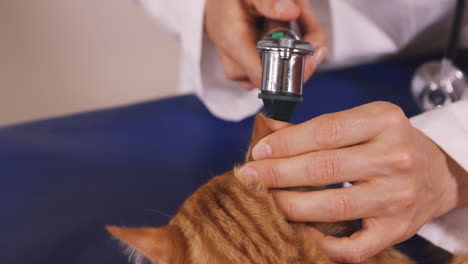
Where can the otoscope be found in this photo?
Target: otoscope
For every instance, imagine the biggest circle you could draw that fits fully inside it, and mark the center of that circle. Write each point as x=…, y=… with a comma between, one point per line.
x=283, y=56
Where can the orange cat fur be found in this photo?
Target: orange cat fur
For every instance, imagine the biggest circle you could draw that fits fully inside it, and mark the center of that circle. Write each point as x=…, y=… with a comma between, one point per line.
x=230, y=222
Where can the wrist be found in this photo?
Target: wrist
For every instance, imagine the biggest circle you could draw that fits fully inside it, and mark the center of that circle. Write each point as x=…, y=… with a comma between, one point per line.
x=461, y=177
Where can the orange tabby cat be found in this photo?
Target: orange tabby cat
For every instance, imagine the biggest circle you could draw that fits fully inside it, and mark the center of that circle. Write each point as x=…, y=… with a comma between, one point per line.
x=228, y=221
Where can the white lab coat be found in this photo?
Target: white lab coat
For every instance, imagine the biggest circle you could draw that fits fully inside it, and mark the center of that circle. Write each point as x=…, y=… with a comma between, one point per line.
x=363, y=31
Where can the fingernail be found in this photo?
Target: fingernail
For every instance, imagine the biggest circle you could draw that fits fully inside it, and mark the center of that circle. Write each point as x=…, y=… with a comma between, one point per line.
x=249, y=174
x=261, y=151
x=281, y=5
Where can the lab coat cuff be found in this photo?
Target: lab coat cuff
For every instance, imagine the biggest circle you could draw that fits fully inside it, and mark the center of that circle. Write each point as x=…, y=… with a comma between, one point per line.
x=448, y=128
x=448, y=231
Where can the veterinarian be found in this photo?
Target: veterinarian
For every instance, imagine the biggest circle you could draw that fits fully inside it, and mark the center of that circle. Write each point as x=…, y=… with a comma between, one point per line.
x=409, y=175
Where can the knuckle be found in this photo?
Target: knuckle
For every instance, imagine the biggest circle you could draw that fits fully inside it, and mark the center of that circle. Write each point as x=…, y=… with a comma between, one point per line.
x=329, y=131
x=274, y=174
x=291, y=209
x=394, y=115
x=383, y=106
x=328, y=168
x=283, y=146
x=340, y=207
x=404, y=159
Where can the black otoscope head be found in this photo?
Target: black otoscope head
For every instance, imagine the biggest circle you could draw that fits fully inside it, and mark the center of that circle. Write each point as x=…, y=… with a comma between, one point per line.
x=280, y=106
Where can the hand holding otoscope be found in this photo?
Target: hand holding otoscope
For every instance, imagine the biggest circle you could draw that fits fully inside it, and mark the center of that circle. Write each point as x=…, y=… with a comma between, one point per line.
x=234, y=28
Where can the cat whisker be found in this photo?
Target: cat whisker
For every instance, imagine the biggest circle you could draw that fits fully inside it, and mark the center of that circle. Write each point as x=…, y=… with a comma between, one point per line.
x=134, y=256
x=159, y=212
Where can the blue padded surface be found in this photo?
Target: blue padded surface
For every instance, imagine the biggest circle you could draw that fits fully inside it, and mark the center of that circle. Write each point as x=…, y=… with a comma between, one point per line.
x=62, y=180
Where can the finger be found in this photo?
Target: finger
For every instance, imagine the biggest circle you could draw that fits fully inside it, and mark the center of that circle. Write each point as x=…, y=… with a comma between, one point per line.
x=311, y=28
x=285, y=10
x=231, y=68
x=328, y=131
x=246, y=84
x=264, y=126
x=240, y=46
x=310, y=235
x=365, y=243
x=276, y=125
x=331, y=205
x=319, y=168
x=315, y=34
x=312, y=62
x=250, y=62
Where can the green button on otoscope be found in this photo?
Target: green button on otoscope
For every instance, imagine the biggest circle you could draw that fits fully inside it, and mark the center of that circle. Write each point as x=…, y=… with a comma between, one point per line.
x=277, y=35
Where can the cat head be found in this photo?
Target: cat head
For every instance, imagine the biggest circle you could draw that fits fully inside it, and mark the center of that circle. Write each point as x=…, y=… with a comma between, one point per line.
x=224, y=221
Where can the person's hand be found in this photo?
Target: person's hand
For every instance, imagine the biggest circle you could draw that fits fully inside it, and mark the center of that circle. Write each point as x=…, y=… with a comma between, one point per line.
x=232, y=25
x=400, y=178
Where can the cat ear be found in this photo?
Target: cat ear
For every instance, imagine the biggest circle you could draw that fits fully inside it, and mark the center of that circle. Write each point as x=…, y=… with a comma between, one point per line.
x=263, y=127
x=161, y=245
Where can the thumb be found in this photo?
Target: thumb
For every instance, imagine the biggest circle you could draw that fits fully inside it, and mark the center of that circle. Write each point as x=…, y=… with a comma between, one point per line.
x=284, y=10
x=365, y=243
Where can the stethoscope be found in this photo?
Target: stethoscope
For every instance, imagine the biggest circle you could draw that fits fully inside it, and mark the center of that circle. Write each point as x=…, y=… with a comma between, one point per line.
x=439, y=83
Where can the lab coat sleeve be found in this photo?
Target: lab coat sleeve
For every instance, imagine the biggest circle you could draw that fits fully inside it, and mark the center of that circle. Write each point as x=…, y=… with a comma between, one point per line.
x=201, y=71
x=184, y=20
x=448, y=127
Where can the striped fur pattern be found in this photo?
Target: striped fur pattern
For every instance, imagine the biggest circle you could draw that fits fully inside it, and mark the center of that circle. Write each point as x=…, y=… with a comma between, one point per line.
x=239, y=224
x=227, y=221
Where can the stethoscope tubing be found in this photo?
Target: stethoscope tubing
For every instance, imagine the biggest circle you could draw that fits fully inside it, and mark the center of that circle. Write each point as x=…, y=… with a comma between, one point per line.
x=452, y=46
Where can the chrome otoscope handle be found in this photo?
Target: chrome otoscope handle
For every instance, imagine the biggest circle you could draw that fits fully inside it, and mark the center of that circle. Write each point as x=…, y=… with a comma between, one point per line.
x=283, y=58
